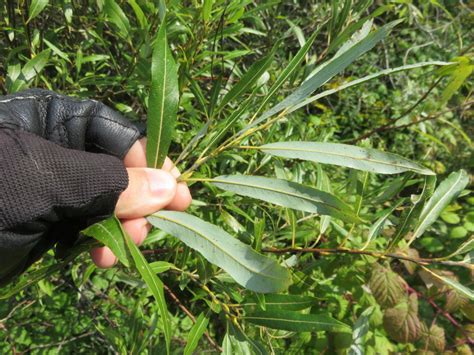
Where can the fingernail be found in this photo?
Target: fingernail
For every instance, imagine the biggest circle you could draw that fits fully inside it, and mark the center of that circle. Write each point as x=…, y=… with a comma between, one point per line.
x=161, y=183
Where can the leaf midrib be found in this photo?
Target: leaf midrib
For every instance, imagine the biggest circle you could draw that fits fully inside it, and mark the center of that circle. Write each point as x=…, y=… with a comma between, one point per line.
x=436, y=205
x=218, y=247
x=294, y=321
x=162, y=108
x=278, y=191
x=345, y=156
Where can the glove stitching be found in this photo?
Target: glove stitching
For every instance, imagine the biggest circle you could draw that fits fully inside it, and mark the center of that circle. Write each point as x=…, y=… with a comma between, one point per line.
x=34, y=97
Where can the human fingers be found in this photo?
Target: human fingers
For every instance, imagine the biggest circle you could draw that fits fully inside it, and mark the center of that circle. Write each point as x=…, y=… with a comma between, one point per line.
x=148, y=191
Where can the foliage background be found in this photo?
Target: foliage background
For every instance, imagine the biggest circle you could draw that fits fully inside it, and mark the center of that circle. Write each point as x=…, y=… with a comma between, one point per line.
x=89, y=49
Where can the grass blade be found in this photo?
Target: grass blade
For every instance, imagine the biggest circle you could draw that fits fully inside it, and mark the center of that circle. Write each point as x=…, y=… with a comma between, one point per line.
x=250, y=269
x=297, y=322
x=365, y=159
x=286, y=194
x=163, y=101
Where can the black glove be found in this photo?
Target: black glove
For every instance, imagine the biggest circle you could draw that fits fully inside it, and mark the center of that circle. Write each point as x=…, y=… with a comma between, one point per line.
x=50, y=188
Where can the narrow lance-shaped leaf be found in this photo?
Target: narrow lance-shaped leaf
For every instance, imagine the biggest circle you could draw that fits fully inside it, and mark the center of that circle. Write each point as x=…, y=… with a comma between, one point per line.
x=363, y=80
x=287, y=194
x=277, y=301
x=162, y=102
x=290, y=68
x=350, y=156
x=250, y=269
x=109, y=232
x=154, y=285
x=452, y=283
x=447, y=191
x=36, y=64
x=323, y=184
x=196, y=333
x=464, y=248
x=297, y=322
x=328, y=70
x=377, y=227
x=248, y=79
x=35, y=8
x=116, y=15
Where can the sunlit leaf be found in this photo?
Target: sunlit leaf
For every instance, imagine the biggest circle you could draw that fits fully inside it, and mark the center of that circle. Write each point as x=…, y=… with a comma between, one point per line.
x=250, y=269
x=446, y=192
x=328, y=70
x=162, y=102
x=35, y=8
x=354, y=157
x=287, y=194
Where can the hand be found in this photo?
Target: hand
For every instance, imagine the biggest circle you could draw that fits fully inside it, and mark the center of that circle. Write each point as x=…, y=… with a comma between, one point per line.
x=148, y=191
x=54, y=184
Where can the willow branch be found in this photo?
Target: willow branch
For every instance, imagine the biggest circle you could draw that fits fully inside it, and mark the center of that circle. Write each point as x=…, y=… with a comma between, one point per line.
x=322, y=251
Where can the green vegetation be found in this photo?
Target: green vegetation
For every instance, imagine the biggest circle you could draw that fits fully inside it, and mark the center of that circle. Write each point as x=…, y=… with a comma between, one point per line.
x=327, y=146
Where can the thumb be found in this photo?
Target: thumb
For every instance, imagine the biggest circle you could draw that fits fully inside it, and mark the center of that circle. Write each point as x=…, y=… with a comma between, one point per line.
x=148, y=191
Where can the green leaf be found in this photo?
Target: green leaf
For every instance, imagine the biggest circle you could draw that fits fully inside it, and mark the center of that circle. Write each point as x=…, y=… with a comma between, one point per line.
x=328, y=70
x=452, y=283
x=116, y=15
x=363, y=80
x=35, y=65
x=196, y=333
x=446, y=192
x=323, y=184
x=139, y=14
x=365, y=159
x=161, y=266
x=464, y=248
x=286, y=73
x=250, y=269
x=360, y=329
x=35, y=8
x=206, y=10
x=162, y=102
x=248, y=79
x=286, y=302
x=458, y=77
x=31, y=278
x=154, y=285
x=377, y=227
x=287, y=194
x=297, y=322
x=109, y=233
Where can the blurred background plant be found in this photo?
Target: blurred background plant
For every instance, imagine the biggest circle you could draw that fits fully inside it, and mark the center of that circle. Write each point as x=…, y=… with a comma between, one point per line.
x=103, y=49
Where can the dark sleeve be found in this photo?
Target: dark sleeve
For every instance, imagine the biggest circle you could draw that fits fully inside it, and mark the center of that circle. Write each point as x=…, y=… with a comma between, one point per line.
x=48, y=193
